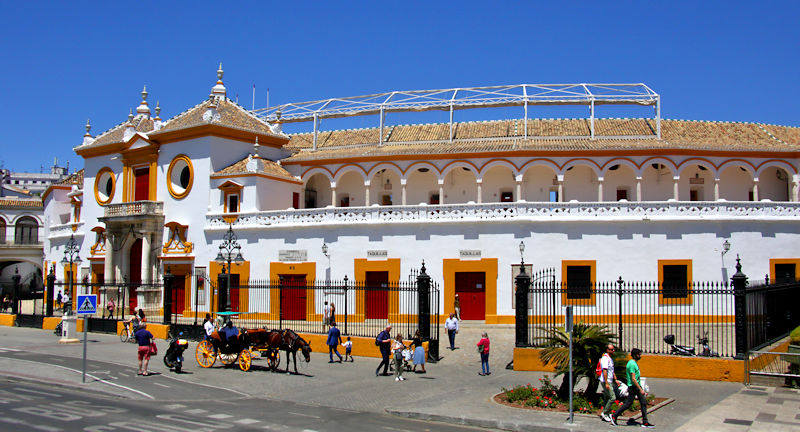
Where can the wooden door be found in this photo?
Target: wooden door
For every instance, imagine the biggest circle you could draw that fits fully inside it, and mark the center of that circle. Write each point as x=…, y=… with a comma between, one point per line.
x=471, y=289
x=376, y=295
x=293, y=297
x=141, y=184
x=178, y=294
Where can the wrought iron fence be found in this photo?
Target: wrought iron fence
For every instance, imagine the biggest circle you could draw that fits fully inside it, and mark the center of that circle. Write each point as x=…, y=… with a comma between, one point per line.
x=640, y=314
x=772, y=311
x=126, y=297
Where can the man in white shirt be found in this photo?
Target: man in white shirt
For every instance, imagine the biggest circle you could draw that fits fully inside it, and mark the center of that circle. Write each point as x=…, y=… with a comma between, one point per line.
x=208, y=326
x=607, y=380
x=451, y=324
x=326, y=317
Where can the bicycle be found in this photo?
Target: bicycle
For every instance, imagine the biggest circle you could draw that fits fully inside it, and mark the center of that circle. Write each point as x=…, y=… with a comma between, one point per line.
x=58, y=330
x=126, y=335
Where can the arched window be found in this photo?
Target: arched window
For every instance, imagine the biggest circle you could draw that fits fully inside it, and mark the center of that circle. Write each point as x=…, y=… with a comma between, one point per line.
x=27, y=231
x=2, y=231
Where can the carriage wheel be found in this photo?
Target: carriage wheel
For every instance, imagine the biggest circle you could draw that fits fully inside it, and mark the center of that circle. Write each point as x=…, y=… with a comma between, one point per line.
x=228, y=359
x=245, y=360
x=205, y=354
x=274, y=358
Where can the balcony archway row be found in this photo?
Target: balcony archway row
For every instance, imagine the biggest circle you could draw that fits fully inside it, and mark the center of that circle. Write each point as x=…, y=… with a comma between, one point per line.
x=583, y=180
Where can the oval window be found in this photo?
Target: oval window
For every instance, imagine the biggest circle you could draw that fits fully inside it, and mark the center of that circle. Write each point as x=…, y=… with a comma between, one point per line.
x=104, y=186
x=180, y=176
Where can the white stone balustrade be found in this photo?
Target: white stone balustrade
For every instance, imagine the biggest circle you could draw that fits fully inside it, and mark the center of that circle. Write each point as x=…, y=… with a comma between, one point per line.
x=65, y=230
x=136, y=208
x=523, y=211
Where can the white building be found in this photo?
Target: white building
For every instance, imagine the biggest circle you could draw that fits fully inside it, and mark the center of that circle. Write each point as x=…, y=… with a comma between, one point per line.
x=646, y=199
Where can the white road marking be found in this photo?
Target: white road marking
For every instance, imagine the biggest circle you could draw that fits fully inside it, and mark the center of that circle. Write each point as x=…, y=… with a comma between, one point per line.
x=303, y=415
x=161, y=385
x=48, y=394
x=196, y=411
x=220, y=416
x=246, y=421
x=9, y=350
x=276, y=427
x=175, y=406
x=391, y=428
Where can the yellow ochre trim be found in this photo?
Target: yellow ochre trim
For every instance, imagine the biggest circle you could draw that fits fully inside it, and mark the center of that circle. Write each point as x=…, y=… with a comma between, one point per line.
x=772, y=261
x=674, y=301
x=360, y=268
x=180, y=157
x=451, y=266
x=309, y=269
x=97, y=185
x=591, y=301
x=243, y=270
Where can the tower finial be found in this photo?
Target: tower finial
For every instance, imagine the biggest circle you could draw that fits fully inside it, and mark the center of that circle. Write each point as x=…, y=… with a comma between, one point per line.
x=218, y=91
x=220, y=72
x=143, y=109
x=88, y=128
x=255, y=147
x=158, y=110
x=130, y=116
x=144, y=93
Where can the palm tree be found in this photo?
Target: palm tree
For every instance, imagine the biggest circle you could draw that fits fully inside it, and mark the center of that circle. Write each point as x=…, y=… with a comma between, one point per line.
x=589, y=342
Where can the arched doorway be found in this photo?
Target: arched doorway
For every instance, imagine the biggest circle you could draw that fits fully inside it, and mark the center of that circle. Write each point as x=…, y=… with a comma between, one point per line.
x=134, y=273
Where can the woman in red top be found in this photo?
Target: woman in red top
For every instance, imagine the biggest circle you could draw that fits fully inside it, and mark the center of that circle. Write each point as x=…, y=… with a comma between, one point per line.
x=484, y=351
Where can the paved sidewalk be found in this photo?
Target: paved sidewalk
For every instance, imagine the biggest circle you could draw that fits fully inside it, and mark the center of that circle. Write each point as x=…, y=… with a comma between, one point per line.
x=451, y=391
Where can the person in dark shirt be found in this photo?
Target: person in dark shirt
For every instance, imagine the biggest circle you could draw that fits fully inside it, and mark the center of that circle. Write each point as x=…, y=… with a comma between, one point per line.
x=334, y=339
x=144, y=338
x=384, y=340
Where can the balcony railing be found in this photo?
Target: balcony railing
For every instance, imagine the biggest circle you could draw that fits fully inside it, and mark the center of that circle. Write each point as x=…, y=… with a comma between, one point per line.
x=136, y=208
x=522, y=211
x=65, y=230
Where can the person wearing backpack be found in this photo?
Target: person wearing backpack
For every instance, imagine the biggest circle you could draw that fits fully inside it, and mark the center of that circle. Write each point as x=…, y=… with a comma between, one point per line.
x=605, y=373
x=383, y=341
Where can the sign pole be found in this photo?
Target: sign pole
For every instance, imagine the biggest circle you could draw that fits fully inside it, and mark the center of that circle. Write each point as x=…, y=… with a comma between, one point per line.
x=569, y=330
x=85, y=333
x=87, y=305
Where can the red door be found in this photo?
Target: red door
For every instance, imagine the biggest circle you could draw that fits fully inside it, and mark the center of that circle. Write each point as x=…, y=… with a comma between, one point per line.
x=293, y=297
x=471, y=289
x=376, y=296
x=134, y=273
x=178, y=294
x=141, y=184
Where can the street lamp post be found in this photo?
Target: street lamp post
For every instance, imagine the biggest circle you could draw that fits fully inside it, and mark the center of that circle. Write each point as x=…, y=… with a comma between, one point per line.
x=229, y=251
x=71, y=251
x=328, y=256
x=523, y=283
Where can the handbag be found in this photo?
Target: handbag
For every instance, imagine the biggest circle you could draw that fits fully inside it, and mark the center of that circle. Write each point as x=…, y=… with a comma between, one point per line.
x=480, y=349
x=153, y=348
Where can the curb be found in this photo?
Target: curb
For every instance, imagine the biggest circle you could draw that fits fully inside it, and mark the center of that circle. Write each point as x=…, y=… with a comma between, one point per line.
x=60, y=383
x=482, y=423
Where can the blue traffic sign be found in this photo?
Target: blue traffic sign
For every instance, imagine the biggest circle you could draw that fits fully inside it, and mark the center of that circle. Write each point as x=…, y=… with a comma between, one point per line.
x=87, y=304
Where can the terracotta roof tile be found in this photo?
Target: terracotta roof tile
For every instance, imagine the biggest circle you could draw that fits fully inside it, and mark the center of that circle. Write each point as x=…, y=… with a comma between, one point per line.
x=75, y=178
x=115, y=134
x=271, y=168
x=230, y=114
x=30, y=203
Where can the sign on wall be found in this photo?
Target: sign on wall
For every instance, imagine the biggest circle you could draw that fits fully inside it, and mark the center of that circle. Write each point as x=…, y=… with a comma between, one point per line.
x=469, y=253
x=292, y=255
x=377, y=254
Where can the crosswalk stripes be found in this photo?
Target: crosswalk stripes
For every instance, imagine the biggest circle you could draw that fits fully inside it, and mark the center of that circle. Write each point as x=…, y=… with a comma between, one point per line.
x=9, y=350
x=245, y=421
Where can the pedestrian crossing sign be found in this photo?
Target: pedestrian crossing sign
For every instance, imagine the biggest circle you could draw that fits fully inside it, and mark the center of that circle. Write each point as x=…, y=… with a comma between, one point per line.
x=87, y=304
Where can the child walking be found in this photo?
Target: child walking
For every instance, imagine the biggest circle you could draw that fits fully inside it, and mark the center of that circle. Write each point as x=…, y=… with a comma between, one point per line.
x=348, y=348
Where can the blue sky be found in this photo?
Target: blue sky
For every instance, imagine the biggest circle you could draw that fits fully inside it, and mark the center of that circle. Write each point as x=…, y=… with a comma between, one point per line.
x=64, y=62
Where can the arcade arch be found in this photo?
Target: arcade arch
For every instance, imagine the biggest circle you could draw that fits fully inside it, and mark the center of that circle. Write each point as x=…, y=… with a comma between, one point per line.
x=422, y=186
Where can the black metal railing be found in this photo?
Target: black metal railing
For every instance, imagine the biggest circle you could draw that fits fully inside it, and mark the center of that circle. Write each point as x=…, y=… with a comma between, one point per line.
x=640, y=314
x=773, y=310
x=126, y=297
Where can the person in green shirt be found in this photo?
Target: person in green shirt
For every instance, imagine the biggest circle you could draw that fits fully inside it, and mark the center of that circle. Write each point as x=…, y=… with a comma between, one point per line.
x=635, y=389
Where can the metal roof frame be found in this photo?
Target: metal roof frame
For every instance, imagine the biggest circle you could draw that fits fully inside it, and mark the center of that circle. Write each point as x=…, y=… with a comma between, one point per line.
x=466, y=98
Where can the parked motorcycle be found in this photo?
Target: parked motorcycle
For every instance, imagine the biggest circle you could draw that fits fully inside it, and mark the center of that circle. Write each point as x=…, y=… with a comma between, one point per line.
x=173, y=358
x=686, y=350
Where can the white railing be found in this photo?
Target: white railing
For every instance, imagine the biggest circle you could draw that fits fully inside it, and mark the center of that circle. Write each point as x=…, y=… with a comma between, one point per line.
x=136, y=208
x=518, y=211
x=65, y=230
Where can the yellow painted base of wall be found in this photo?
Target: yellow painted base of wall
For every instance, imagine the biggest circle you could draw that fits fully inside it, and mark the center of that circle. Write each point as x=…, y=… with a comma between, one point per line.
x=362, y=346
x=159, y=331
x=7, y=320
x=656, y=366
x=50, y=323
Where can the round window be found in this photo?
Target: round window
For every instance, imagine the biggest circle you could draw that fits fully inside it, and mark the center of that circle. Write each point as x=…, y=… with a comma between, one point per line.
x=180, y=176
x=104, y=186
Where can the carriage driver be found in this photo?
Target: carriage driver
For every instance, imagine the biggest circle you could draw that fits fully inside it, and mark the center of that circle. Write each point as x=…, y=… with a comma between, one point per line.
x=231, y=333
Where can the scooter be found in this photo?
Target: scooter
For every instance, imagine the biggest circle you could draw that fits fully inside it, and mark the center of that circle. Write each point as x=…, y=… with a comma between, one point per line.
x=686, y=350
x=173, y=358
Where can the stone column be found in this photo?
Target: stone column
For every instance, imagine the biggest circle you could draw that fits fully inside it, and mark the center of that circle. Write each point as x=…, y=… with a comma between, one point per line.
x=716, y=189
x=333, y=194
x=600, y=189
x=441, y=191
x=403, y=191
x=146, y=276
x=518, y=180
x=638, y=189
x=793, y=196
x=561, y=188
x=479, y=198
x=366, y=193
x=675, y=187
x=108, y=262
x=755, y=189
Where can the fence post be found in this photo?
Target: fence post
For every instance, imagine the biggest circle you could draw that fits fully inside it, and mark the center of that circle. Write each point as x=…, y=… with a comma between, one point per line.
x=619, y=294
x=222, y=287
x=424, y=303
x=51, y=284
x=523, y=283
x=345, y=304
x=280, y=302
x=739, y=281
x=15, y=304
x=168, y=279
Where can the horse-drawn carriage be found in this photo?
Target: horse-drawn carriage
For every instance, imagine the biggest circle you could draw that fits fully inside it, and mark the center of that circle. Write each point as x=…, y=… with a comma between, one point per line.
x=231, y=346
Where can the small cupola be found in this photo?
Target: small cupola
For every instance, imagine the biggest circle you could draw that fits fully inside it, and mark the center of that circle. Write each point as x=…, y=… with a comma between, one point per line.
x=218, y=91
x=87, y=137
x=143, y=109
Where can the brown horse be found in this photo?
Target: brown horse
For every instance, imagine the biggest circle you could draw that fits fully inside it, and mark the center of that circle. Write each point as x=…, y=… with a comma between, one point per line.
x=286, y=340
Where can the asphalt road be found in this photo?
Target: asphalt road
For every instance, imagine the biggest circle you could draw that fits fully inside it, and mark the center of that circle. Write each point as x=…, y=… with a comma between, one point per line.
x=26, y=405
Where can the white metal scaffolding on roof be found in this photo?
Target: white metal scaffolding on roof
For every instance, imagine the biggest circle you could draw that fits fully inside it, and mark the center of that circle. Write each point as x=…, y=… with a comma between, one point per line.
x=466, y=98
